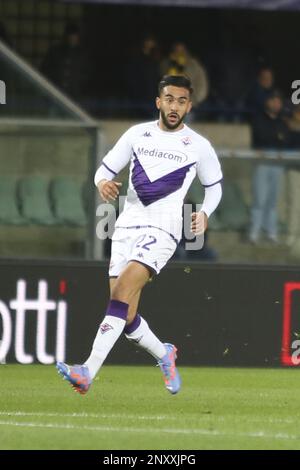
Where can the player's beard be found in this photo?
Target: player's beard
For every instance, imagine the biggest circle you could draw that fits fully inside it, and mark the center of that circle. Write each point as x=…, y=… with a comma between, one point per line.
x=166, y=122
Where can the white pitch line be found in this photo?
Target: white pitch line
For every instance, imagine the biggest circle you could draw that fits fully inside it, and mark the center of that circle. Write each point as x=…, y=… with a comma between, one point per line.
x=202, y=432
x=86, y=415
x=148, y=417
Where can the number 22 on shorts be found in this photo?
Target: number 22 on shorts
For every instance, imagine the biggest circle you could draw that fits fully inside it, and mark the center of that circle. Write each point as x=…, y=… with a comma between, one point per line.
x=150, y=240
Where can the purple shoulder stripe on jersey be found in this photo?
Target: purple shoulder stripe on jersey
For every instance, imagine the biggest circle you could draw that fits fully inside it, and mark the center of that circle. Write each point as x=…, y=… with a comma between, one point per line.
x=109, y=169
x=209, y=185
x=149, y=192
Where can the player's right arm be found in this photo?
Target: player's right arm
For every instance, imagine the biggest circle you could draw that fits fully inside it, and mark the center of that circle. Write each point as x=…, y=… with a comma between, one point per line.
x=116, y=159
x=108, y=189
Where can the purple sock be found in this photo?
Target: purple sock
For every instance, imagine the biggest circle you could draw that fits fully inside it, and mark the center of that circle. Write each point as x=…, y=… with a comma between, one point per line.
x=133, y=325
x=118, y=309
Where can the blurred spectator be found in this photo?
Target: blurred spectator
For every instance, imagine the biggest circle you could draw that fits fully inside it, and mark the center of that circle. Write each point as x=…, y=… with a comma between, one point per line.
x=66, y=64
x=294, y=125
x=231, y=68
x=144, y=63
x=184, y=251
x=293, y=180
x=181, y=62
x=206, y=253
x=269, y=132
x=260, y=90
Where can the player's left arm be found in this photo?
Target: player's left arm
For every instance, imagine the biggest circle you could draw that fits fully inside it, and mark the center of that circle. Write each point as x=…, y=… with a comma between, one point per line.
x=213, y=195
x=210, y=175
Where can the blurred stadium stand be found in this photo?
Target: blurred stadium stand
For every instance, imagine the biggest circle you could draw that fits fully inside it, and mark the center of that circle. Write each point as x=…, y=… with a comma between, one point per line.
x=50, y=145
x=68, y=201
x=45, y=144
x=9, y=207
x=34, y=200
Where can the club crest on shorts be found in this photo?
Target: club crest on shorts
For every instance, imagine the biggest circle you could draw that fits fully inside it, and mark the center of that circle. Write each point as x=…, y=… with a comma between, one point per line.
x=105, y=327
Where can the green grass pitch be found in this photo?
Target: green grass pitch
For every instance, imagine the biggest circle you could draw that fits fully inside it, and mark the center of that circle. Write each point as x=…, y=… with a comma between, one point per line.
x=129, y=408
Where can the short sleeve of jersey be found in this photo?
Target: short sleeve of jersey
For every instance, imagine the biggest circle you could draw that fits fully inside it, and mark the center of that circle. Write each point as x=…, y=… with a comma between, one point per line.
x=118, y=157
x=209, y=168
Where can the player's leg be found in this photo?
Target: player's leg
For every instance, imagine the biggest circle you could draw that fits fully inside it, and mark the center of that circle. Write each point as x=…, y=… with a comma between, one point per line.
x=129, y=283
x=137, y=329
x=133, y=306
x=138, y=332
x=155, y=249
x=124, y=291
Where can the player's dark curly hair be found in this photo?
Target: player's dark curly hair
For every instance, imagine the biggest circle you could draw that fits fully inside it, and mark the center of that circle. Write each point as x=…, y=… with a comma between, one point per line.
x=175, y=80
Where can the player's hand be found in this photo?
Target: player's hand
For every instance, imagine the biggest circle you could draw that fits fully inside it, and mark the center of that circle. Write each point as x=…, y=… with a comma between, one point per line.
x=199, y=222
x=109, y=190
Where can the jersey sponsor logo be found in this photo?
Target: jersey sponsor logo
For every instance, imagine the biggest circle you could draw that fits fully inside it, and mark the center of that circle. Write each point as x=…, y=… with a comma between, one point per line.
x=168, y=155
x=105, y=327
x=147, y=134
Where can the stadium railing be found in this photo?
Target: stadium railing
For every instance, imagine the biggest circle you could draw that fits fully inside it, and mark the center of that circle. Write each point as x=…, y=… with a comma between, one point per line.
x=45, y=135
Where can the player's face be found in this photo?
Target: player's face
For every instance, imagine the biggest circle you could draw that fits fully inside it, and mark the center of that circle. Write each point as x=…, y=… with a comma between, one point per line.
x=173, y=103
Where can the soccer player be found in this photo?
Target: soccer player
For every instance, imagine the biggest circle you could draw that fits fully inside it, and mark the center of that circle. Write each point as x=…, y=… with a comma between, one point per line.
x=164, y=156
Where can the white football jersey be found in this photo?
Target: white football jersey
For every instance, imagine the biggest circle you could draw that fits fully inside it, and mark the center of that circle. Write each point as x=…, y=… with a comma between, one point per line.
x=163, y=165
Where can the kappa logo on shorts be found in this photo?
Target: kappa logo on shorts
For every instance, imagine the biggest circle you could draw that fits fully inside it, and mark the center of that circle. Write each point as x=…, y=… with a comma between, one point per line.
x=140, y=255
x=105, y=327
